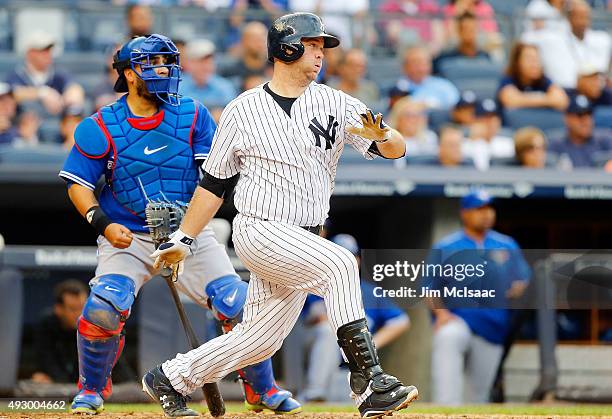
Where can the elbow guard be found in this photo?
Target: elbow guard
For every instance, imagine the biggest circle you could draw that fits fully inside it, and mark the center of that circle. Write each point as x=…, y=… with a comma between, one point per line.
x=222, y=188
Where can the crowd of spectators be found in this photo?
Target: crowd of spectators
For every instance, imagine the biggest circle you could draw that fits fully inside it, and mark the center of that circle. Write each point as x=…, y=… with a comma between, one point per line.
x=551, y=105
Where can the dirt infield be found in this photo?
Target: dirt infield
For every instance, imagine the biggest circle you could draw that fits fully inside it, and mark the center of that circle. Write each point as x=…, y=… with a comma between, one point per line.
x=335, y=415
x=235, y=410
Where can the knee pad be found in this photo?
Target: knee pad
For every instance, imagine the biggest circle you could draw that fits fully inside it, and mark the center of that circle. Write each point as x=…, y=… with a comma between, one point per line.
x=108, y=306
x=226, y=297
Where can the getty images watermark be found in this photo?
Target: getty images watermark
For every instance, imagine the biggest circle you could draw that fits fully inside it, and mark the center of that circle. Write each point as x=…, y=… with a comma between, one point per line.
x=412, y=272
x=490, y=278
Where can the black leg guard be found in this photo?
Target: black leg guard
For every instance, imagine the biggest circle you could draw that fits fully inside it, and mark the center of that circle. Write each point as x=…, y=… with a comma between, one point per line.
x=375, y=393
x=355, y=341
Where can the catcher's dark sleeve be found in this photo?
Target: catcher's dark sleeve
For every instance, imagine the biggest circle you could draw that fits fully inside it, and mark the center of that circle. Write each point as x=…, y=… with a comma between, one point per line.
x=223, y=188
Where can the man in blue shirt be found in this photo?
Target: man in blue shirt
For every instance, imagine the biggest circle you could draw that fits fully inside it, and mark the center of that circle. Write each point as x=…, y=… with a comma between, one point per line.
x=385, y=320
x=467, y=46
x=37, y=82
x=582, y=142
x=149, y=146
x=467, y=341
x=435, y=92
x=201, y=81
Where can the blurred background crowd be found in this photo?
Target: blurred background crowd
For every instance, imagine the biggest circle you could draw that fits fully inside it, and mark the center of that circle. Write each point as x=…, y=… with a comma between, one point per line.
x=467, y=82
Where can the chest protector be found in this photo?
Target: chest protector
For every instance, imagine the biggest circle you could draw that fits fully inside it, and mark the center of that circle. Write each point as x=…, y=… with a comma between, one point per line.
x=151, y=158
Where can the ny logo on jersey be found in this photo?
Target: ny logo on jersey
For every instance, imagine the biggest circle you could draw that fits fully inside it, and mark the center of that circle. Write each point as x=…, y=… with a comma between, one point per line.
x=328, y=133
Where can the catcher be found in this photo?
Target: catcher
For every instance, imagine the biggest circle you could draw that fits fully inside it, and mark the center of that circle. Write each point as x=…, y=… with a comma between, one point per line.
x=149, y=146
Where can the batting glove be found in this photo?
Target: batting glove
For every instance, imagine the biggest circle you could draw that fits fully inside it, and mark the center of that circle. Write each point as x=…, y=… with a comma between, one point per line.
x=173, y=252
x=373, y=127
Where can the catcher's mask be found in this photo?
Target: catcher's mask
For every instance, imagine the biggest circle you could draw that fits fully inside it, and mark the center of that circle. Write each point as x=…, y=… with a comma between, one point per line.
x=140, y=52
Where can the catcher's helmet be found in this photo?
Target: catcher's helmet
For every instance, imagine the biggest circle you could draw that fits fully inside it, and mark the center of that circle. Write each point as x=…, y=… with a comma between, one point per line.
x=286, y=33
x=140, y=51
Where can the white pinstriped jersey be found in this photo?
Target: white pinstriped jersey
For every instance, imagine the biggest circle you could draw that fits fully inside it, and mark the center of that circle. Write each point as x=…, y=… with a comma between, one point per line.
x=287, y=165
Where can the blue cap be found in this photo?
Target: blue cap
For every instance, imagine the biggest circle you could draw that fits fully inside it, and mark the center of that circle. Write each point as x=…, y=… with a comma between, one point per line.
x=348, y=242
x=486, y=107
x=467, y=98
x=477, y=198
x=579, y=104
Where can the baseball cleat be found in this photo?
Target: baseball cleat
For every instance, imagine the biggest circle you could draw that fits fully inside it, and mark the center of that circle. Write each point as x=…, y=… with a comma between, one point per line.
x=374, y=403
x=87, y=402
x=158, y=387
x=277, y=400
x=289, y=406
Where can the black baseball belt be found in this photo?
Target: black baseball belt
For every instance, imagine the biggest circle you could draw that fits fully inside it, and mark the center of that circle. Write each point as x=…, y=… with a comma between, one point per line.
x=313, y=229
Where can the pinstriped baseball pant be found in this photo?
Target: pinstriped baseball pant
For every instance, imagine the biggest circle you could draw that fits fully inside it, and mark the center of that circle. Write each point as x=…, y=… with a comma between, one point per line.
x=286, y=263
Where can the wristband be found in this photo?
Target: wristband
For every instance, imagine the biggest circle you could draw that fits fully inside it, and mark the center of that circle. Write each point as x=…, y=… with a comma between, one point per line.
x=183, y=238
x=96, y=217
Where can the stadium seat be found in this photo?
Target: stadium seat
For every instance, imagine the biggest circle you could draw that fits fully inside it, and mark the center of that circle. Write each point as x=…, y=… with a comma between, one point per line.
x=101, y=29
x=51, y=20
x=505, y=7
x=603, y=116
x=71, y=32
x=89, y=81
x=82, y=62
x=483, y=88
x=461, y=68
x=184, y=24
x=8, y=61
x=543, y=118
x=427, y=160
x=504, y=162
x=479, y=75
x=6, y=30
x=385, y=71
x=49, y=132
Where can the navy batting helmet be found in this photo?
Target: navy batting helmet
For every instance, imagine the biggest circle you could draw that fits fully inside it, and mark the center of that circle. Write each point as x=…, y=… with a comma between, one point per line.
x=286, y=33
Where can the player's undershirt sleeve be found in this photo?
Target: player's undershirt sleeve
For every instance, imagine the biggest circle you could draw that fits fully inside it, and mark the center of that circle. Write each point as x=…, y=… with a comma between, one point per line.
x=367, y=148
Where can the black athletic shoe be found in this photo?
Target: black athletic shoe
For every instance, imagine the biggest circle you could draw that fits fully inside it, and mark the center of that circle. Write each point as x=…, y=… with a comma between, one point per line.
x=158, y=387
x=384, y=395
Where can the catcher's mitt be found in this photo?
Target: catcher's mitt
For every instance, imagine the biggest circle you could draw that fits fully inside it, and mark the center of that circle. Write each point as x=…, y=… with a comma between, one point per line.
x=163, y=219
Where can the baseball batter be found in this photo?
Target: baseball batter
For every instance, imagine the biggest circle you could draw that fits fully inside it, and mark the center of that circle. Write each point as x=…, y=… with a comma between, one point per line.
x=278, y=145
x=148, y=145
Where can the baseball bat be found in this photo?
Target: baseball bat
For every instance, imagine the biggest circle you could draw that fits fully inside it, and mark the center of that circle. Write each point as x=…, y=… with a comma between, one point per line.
x=213, y=397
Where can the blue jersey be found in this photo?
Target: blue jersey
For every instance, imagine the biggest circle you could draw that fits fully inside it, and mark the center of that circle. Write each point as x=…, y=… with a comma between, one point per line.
x=141, y=158
x=379, y=311
x=504, y=264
